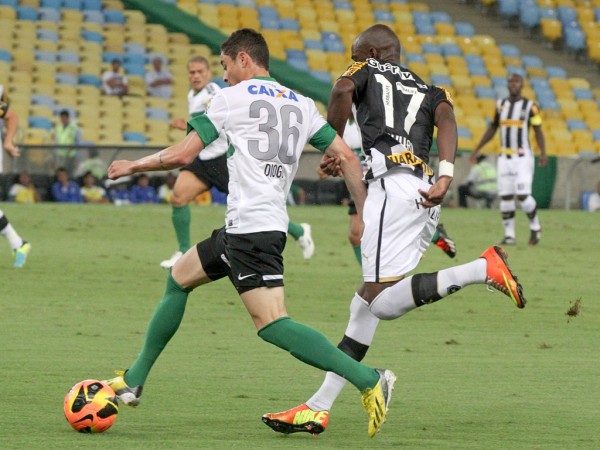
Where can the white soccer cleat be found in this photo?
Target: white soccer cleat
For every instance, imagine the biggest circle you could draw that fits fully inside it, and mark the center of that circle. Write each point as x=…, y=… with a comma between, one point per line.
x=168, y=263
x=306, y=242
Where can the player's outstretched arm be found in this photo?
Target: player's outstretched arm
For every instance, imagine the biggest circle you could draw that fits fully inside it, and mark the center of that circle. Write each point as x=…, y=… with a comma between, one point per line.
x=351, y=169
x=178, y=155
x=541, y=142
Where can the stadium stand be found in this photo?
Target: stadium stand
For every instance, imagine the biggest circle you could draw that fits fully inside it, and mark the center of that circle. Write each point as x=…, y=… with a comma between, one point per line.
x=58, y=50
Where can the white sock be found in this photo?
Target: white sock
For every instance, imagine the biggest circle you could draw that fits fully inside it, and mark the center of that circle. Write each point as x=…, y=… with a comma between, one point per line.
x=398, y=299
x=14, y=240
x=361, y=327
x=509, y=224
x=528, y=206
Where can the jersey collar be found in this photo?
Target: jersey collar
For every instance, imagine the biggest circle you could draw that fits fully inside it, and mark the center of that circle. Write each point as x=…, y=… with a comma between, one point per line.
x=264, y=78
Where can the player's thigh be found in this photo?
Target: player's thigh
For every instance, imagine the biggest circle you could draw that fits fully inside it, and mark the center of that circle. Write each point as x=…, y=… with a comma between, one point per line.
x=524, y=176
x=264, y=304
x=187, y=187
x=397, y=230
x=506, y=176
x=188, y=270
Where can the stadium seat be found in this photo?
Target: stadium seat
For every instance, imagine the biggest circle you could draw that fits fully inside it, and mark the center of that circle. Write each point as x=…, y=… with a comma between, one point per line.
x=134, y=137
x=40, y=122
x=114, y=16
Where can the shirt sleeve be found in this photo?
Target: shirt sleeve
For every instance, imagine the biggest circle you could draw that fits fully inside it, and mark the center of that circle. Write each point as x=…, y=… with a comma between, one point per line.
x=496, y=119
x=4, y=104
x=535, y=118
x=359, y=74
x=321, y=134
x=210, y=124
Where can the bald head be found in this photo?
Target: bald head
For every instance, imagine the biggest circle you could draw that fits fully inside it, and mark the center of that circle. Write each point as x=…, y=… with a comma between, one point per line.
x=379, y=42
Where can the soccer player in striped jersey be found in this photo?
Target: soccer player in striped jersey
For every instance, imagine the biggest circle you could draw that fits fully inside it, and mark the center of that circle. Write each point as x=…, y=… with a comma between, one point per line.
x=209, y=169
x=514, y=116
x=397, y=112
x=20, y=248
x=268, y=126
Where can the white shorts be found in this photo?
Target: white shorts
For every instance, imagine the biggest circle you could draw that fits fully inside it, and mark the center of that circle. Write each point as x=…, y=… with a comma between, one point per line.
x=515, y=174
x=397, y=230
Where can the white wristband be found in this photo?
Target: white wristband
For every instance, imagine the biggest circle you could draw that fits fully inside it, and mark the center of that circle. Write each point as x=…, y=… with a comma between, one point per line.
x=446, y=169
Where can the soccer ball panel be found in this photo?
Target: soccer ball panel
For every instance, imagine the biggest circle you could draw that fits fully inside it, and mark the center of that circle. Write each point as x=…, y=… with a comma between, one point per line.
x=91, y=406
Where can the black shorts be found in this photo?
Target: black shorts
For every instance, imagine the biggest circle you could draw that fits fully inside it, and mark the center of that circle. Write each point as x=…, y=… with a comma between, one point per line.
x=249, y=260
x=213, y=172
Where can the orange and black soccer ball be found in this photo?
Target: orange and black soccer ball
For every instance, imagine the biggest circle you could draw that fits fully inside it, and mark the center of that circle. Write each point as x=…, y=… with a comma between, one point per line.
x=91, y=406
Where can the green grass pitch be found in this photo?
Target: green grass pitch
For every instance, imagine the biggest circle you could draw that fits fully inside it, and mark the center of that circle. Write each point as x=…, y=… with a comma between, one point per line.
x=474, y=372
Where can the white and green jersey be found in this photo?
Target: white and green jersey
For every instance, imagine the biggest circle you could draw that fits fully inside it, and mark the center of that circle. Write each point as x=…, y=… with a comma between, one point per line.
x=197, y=104
x=268, y=126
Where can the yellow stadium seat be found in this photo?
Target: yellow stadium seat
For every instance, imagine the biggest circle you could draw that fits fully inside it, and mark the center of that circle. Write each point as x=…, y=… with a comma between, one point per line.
x=8, y=12
x=468, y=46
x=434, y=58
x=587, y=105
x=421, y=69
x=458, y=69
x=551, y=29
x=481, y=80
x=579, y=83
x=445, y=29
x=41, y=111
x=438, y=69
x=71, y=16
x=37, y=136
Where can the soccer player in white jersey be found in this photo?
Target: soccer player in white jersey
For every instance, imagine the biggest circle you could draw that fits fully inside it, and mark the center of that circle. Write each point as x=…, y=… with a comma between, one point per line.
x=20, y=248
x=514, y=116
x=210, y=168
x=268, y=126
x=396, y=113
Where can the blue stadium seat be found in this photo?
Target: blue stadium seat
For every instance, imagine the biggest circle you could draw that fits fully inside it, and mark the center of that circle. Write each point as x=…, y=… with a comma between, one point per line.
x=576, y=124
x=107, y=57
x=425, y=28
x=451, y=50
x=516, y=69
x=574, y=39
x=44, y=55
x=485, y=92
x=334, y=46
x=383, y=16
x=91, y=36
x=313, y=44
x=508, y=8
x=49, y=15
x=464, y=132
x=415, y=57
x=532, y=61
x=42, y=99
x=431, y=48
x=40, y=122
x=583, y=94
x=530, y=15
x=477, y=70
x=12, y=3
x=440, y=80
x=548, y=13
x=134, y=48
x=420, y=17
x=510, y=50
x=556, y=72
x=440, y=17
x=322, y=75
x=134, y=69
x=114, y=16
x=67, y=56
x=65, y=78
x=54, y=4
x=72, y=4
x=133, y=136
x=89, y=79
x=43, y=34
x=267, y=12
x=157, y=114
x=464, y=29
x=596, y=135
x=342, y=4
x=269, y=23
x=5, y=55
x=92, y=5
x=549, y=104
x=289, y=24
x=134, y=58
x=27, y=13
x=93, y=16
x=539, y=82
x=545, y=94
x=566, y=14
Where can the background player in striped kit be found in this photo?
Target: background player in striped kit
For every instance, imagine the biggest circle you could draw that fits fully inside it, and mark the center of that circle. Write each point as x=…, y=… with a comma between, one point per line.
x=514, y=116
x=20, y=248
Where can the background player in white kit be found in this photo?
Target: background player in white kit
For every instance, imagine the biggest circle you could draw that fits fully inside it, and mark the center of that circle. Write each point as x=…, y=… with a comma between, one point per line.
x=516, y=163
x=210, y=168
x=268, y=126
x=20, y=248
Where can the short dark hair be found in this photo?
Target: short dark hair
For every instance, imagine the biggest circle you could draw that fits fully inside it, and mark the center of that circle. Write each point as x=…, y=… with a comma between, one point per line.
x=64, y=112
x=249, y=41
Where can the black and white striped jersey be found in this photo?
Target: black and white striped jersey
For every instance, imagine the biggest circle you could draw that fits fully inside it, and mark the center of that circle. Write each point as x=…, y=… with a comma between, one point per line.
x=514, y=120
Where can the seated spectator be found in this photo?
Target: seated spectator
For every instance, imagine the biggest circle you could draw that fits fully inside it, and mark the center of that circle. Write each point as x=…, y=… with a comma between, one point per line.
x=91, y=192
x=113, y=81
x=66, y=133
x=594, y=200
x=142, y=192
x=159, y=81
x=93, y=164
x=23, y=191
x=166, y=189
x=480, y=183
x=118, y=191
x=65, y=190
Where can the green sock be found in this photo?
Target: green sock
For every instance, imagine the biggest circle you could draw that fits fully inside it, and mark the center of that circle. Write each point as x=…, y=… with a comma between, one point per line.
x=162, y=327
x=181, y=217
x=356, y=249
x=295, y=230
x=435, y=236
x=311, y=347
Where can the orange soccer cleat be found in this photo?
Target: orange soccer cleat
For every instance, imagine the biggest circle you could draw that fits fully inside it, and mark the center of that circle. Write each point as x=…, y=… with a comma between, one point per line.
x=300, y=418
x=500, y=277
